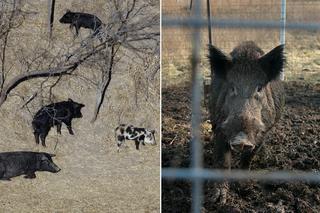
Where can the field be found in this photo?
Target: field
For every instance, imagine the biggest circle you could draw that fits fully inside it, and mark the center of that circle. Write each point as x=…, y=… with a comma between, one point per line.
x=93, y=176
x=293, y=144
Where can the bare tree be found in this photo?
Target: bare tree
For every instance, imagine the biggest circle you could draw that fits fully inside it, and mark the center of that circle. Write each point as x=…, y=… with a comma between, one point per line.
x=132, y=30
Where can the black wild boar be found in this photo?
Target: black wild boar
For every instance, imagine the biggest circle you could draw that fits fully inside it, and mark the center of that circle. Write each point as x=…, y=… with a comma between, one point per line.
x=78, y=20
x=13, y=164
x=54, y=115
x=246, y=99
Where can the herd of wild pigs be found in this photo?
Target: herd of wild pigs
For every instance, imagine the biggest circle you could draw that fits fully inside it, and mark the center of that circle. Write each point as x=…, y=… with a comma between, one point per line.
x=13, y=164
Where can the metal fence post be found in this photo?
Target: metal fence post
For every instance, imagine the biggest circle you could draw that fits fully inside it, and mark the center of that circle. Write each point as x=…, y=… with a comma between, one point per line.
x=283, y=28
x=51, y=5
x=209, y=21
x=196, y=148
x=190, y=6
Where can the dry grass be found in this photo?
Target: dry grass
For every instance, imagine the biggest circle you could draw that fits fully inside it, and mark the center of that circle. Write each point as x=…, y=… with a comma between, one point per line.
x=94, y=177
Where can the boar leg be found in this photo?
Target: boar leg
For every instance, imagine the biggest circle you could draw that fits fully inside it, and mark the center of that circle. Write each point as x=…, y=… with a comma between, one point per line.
x=5, y=178
x=118, y=144
x=120, y=141
x=137, y=142
x=2, y=173
x=70, y=130
x=71, y=26
x=248, y=155
x=68, y=123
x=77, y=30
x=222, y=188
x=30, y=175
x=43, y=138
x=246, y=158
x=59, y=128
x=36, y=136
x=222, y=154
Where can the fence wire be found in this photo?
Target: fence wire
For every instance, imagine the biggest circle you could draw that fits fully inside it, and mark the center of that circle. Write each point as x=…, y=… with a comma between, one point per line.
x=194, y=22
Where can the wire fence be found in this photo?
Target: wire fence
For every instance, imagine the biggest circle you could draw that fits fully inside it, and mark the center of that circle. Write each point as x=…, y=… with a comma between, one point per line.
x=193, y=23
x=256, y=20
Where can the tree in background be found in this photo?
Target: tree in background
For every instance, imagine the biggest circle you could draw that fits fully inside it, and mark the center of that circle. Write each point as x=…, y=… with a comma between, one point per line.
x=131, y=36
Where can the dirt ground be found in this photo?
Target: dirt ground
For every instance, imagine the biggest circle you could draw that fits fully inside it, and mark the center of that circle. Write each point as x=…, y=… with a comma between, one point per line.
x=293, y=144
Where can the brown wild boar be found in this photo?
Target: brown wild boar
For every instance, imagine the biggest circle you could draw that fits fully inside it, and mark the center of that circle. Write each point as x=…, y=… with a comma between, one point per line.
x=246, y=99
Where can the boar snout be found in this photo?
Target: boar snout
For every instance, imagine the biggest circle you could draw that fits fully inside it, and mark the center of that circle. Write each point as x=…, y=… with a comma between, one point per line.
x=242, y=141
x=55, y=168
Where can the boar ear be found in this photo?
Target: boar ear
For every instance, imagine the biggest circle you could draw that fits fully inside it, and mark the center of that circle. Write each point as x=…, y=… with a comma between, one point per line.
x=153, y=131
x=273, y=62
x=68, y=11
x=219, y=62
x=52, y=155
x=69, y=99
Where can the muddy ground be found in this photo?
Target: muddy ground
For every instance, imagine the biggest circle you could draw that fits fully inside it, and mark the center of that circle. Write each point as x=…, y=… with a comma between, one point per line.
x=293, y=144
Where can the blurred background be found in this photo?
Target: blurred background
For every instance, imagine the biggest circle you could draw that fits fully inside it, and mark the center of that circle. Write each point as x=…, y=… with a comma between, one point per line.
x=302, y=47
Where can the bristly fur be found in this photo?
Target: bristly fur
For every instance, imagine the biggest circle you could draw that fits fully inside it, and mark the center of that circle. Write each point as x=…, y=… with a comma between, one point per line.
x=247, y=50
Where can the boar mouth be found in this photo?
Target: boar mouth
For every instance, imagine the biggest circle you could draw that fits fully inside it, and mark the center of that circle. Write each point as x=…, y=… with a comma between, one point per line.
x=57, y=170
x=241, y=141
x=62, y=20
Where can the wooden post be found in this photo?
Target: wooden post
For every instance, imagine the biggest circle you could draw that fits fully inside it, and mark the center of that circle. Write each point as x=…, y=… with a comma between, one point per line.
x=51, y=4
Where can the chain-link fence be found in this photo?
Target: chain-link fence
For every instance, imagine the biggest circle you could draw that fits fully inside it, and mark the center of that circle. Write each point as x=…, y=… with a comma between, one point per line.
x=185, y=37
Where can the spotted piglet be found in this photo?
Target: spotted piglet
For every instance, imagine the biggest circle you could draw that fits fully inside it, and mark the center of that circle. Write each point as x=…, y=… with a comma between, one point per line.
x=138, y=135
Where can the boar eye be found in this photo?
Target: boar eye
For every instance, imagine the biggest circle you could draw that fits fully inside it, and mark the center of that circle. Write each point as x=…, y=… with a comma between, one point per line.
x=259, y=88
x=233, y=90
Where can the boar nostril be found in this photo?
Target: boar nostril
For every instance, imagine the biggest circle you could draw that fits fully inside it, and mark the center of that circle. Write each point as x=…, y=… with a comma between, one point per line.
x=242, y=141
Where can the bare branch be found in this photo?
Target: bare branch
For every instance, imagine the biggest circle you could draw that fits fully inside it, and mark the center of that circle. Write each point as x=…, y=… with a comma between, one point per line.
x=106, y=79
x=52, y=72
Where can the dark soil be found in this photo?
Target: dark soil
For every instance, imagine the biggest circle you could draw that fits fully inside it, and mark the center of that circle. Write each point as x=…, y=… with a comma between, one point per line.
x=293, y=144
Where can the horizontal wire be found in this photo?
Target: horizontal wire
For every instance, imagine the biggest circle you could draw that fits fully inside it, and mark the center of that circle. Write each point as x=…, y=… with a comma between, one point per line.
x=240, y=175
x=230, y=23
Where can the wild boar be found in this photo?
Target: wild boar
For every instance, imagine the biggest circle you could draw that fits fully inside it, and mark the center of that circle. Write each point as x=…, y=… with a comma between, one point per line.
x=54, y=115
x=13, y=164
x=246, y=99
x=84, y=20
x=138, y=135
